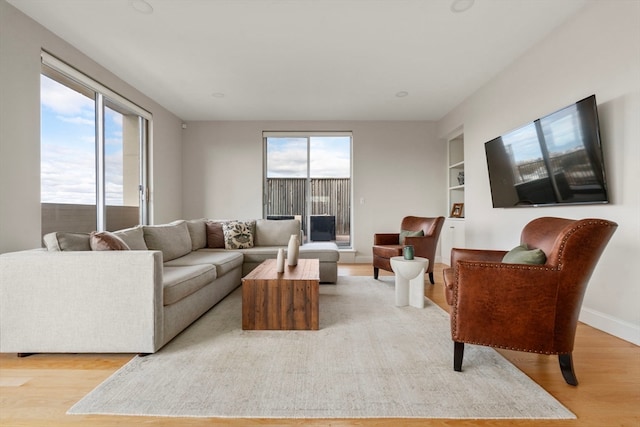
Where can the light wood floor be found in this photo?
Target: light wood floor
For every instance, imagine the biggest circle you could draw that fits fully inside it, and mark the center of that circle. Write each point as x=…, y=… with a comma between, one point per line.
x=38, y=390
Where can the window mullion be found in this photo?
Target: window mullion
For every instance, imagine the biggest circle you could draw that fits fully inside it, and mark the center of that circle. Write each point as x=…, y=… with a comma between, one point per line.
x=100, y=165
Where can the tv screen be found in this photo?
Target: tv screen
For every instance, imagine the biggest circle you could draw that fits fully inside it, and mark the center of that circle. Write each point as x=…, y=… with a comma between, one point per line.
x=554, y=160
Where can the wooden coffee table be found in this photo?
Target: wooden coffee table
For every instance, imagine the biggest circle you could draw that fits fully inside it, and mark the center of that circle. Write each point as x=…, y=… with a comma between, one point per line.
x=281, y=301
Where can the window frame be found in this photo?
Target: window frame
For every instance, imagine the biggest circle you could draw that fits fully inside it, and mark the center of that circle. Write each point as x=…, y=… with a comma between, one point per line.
x=103, y=97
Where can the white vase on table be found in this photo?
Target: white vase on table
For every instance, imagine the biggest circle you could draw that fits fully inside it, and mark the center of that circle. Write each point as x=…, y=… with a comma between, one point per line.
x=293, y=250
x=280, y=261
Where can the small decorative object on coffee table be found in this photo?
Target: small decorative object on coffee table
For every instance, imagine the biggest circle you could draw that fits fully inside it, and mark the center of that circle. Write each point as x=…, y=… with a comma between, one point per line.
x=409, y=280
x=280, y=261
x=293, y=250
x=281, y=301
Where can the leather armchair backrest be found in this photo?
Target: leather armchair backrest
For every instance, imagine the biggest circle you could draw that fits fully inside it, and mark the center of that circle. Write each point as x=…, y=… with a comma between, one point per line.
x=566, y=242
x=430, y=226
x=573, y=247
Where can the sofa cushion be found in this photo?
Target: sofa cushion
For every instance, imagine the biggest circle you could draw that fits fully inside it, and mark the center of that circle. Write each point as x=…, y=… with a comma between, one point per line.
x=238, y=234
x=106, y=241
x=133, y=237
x=180, y=282
x=65, y=241
x=215, y=234
x=275, y=232
x=172, y=239
x=198, y=233
x=523, y=255
x=324, y=251
x=223, y=260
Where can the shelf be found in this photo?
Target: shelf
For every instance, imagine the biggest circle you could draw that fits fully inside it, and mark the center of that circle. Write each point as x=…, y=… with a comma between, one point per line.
x=457, y=187
x=459, y=165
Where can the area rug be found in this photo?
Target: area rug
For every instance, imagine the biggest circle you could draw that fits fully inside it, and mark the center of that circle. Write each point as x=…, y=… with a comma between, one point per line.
x=370, y=359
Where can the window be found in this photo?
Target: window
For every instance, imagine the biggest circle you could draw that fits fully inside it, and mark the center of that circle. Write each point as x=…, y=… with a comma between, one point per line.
x=309, y=176
x=93, y=145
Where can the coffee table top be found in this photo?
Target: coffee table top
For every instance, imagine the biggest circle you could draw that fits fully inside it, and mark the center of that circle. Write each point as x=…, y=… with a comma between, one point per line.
x=307, y=269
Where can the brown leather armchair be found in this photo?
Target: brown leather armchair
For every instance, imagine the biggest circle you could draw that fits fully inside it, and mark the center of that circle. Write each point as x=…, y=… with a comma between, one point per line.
x=387, y=245
x=525, y=307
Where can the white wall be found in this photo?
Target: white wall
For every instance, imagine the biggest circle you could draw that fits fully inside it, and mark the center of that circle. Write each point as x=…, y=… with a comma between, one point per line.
x=398, y=168
x=597, y=51
x=21, y=40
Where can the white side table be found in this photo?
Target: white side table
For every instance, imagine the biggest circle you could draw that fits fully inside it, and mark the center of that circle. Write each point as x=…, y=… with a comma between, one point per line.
x=409, y=280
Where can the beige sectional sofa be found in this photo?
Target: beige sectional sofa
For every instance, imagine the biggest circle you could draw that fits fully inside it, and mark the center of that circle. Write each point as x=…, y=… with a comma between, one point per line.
x=67, y=298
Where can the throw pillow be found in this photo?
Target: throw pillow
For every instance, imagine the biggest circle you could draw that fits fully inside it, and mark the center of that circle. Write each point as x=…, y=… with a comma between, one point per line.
x=238, y=234
x=523, y=255
x=106, y=241
x=409, y=233
x=64, y=241
x=215, y=234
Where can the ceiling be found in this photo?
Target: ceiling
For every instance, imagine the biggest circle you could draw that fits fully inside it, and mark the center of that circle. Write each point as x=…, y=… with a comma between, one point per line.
x=303, y=59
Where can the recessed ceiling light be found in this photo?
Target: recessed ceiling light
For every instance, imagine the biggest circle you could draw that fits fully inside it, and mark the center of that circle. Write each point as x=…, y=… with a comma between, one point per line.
x=141, y=6
x=459, y=6
x=402, y=94
x=218, y=95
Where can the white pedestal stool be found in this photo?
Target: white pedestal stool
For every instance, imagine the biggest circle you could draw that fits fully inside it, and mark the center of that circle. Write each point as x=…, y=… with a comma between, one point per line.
x=409, y=280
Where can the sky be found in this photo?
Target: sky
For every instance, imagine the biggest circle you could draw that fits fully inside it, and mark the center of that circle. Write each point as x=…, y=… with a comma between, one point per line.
x=68, y=147
x=68, y=150
x=330, y=157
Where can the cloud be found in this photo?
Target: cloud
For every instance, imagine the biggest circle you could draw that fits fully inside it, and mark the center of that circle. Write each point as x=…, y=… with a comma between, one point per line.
x=330, y=157
x=62, y=100
x=77, y=120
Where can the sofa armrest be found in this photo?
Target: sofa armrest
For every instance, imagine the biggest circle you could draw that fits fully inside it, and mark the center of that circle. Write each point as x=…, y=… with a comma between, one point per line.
x=84, y=302
x=497, y=304
x=460, y=254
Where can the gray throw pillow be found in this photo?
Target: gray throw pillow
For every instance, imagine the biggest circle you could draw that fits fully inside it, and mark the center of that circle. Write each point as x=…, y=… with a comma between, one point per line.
x=409, y=233
x=523, y=255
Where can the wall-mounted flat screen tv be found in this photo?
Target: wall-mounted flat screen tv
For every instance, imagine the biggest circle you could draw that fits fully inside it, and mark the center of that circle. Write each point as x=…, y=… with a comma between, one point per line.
x=554, y=160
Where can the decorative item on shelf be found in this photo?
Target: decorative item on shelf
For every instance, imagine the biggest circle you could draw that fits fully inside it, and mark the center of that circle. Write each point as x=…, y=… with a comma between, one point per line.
x=407, y=252
x=280, y=261
x=461, y=178
x=457, y=210
x=293, y=250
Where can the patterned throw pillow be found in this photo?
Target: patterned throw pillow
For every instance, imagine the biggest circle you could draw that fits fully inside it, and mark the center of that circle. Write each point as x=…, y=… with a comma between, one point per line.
x=238, y=234
x=106, y=241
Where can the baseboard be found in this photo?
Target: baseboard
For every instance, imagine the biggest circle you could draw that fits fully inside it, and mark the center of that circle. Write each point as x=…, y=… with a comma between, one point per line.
x=611, y=325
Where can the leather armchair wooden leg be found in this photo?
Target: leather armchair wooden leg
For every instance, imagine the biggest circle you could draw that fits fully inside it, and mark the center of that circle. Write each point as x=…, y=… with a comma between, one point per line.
x=566, y=366
x=458, y=354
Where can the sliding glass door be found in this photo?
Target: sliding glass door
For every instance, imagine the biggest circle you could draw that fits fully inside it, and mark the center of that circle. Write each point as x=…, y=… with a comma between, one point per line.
x=309, y=176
